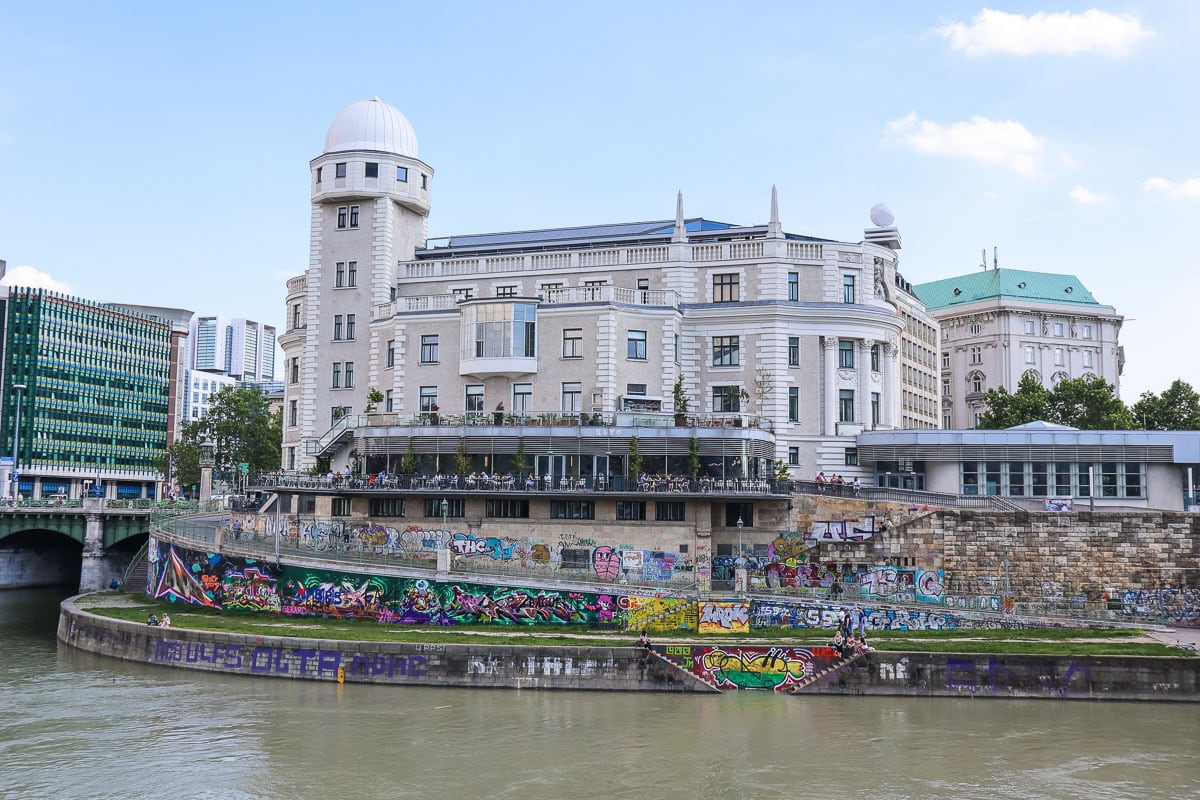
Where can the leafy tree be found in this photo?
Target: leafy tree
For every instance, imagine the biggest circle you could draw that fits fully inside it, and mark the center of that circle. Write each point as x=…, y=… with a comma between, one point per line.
x=462, y=464
x=1084, y=403
x=410, y=464
x=1030, y=402
x=518, y=459
x=1089, y=404
x=693, y=457
x=1177, y=409
x=374, y=398
x=635, y=458
x=242, y=429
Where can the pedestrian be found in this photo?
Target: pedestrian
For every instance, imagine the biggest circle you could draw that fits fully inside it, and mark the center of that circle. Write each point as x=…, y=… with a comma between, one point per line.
x=859, y=618
x=821, y=482
x=644, y=641
x=857, y=487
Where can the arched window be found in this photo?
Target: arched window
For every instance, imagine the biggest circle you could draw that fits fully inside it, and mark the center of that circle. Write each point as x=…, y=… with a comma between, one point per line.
x=1059, y=377
x=1032, y=373
x=976, y=382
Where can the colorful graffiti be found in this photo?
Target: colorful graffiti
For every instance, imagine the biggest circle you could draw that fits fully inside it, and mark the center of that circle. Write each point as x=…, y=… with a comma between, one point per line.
x=752, y=668
x=724, y=617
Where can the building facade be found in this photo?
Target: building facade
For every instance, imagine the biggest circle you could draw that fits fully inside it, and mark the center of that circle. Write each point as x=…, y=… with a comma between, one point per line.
x=240, y=348
x=805, y=342
x=93, y=387
x=998, y=325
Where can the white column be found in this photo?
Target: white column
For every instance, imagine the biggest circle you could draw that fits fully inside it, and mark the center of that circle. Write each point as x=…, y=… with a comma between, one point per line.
x=830, y=344
x=864, y=382
x=891, y=398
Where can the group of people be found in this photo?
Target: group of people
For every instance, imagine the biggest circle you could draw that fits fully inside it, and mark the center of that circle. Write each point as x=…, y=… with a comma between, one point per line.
x=851, y=635
x=837, y=483
x=165, y=622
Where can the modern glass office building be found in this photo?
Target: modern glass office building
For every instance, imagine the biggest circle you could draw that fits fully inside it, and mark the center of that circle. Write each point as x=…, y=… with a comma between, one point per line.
x=94, y=407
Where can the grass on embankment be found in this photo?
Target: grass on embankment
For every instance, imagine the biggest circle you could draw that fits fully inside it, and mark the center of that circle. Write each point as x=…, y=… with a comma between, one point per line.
x=1029, y=641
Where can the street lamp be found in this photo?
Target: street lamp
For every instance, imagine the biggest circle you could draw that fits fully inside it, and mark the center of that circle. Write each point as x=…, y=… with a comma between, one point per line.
x=20, y=387
x=739, y=524
x=445, y=512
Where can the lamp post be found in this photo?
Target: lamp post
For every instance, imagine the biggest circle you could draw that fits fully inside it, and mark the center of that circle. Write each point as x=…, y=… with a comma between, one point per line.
x=20, y=387
x=445, y=513
x=739, y=570
x=207, y=463
x=740, y=524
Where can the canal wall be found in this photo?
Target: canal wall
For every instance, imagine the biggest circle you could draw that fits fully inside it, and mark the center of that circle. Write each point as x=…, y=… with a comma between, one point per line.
x=673, y=667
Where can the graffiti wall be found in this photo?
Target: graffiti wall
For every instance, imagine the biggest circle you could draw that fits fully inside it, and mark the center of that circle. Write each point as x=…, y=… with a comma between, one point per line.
x=778, y=669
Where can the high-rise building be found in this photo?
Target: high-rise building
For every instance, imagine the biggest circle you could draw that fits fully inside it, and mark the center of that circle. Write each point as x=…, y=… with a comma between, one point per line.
x=93, y=385
x=999, y=325
x=804, y=341
x=240, y=348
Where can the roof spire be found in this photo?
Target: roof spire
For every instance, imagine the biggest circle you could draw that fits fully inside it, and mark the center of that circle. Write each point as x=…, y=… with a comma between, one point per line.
x=680, y=234
x=774, y=230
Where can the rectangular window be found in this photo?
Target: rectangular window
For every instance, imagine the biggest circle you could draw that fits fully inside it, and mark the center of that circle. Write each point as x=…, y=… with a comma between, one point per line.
x=976, y=355
x=296, y=315
x=851, y=457
x=725, y=351
x=349, y=326
x=875, y=409
x=349, y=374
x=293, y=413
x=391, y=353
x=794, y=286
x=291, y=459
x=793, y=404
x=353, y=216
x=643, y=285
x=402, y=174
x=506, y=509
x=388, y=404
x=1058, y=329
x=454, y=508
x=424, y=181
x=337, y=327
x=340, y=507
x=336, y=413
x=462, y=294
x=847, y=288
x=572, y=509
x=874, y=358
x=676, y=349
x=339, y=170
x=793, y=351
x=794, y=456
x=1087, y=358
x=1041, y=479
x=336, y=381
x=631, y=510
x=341, y=216
x=1087, y=331
x=572, y=343
x=669, y=511
x=1030, y=354
x=506, y=291
x=635, y=345
x=593, y=290
x=846, y=405
x=428, y=396
x=522, y=400
x=1029, y=326
x=1058, y=356
x=635, y=388
x=474, y=399
x=739, y=511
x=1016, y=479
x=351, y=273
x=386, y=507
x=726, y=399
x=572, y=396
x=319, y=174
x=945, y=360
x=295, y=371
x=339, y=275
x=372, y=170
x=725, y=288
x=845, y=354
x=429, y=348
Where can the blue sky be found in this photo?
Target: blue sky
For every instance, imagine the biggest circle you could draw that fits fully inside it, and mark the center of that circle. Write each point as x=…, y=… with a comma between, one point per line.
x=158, y=153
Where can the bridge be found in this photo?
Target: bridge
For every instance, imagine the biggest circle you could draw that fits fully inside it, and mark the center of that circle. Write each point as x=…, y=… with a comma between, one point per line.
x=89, y=541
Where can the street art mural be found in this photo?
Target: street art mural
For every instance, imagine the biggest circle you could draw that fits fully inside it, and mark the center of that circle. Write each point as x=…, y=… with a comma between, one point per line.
x=778, y=669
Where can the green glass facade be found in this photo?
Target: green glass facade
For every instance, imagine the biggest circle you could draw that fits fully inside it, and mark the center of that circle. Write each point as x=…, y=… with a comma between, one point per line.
x=98, y=384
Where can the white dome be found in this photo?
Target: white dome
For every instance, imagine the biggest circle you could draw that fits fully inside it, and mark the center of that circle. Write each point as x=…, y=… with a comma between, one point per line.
x=371, y=125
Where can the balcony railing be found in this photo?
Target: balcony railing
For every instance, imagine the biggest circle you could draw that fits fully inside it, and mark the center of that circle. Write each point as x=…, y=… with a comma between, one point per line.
x=611, y=419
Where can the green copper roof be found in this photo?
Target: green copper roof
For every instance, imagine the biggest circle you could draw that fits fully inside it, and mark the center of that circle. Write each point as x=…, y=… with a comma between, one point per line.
x=1013, y=284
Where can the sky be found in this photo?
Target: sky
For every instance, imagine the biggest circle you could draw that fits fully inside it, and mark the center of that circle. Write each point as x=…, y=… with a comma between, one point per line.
x=157, y=153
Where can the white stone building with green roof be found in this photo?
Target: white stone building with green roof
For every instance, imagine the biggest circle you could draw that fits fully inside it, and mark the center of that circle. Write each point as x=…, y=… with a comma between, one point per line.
x=997, y=325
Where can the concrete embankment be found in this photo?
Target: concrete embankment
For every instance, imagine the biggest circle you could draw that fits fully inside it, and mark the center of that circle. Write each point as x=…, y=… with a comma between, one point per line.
x=677, y=667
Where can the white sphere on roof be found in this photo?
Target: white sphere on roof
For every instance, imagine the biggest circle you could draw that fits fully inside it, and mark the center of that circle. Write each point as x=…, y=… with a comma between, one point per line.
x=881, y=215
x=371, y=125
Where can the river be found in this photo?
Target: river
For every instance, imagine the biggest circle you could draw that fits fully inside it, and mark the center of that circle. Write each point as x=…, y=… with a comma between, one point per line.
x=74, y=725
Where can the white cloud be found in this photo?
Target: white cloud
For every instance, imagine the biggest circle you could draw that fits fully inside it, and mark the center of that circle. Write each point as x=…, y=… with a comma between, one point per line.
x=1008, y=144
x=32, y=277
x=1188, y=190
x=1085, y=196
x=1061, y=33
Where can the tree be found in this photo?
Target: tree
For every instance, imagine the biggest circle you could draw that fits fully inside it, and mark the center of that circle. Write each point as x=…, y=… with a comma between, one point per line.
x=764, y=387
x=462, y=464
x=410, y=464
x=693, y=457
x=518, y=459
x=242, y=429
x=374, y=398
x=1177, y=409
x=1084, y=403
x=1089, y=404
x=680, y=396
x=1005, y=410
x=635, y=458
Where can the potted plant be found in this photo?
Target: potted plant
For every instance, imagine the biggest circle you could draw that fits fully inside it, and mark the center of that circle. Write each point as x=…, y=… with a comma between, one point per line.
x=681, y=402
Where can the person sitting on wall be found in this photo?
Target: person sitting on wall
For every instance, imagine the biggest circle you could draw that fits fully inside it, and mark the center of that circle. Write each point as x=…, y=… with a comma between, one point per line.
x=165, y=622
x=644, y=642
x=153, y=620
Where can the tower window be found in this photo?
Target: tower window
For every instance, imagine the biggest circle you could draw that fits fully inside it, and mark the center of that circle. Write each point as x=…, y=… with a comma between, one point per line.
x=319, y=174
x=402, y=174
x=339, y=170
x=353, y=216
x=341, y=220
x=372, y=170
x=424, y=181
